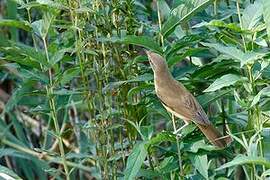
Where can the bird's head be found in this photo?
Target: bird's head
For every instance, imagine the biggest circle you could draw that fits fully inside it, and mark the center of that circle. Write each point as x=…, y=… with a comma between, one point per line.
x=157, y=62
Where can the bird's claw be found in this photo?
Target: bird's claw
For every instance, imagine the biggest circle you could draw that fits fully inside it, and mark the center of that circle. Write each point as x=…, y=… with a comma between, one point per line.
x=177, y=134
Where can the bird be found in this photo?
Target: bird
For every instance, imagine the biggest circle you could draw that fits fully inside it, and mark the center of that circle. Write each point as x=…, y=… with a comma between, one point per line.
x=181, y=103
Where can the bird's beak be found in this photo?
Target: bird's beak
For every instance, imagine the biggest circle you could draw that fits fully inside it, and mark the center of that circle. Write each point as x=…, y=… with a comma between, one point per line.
x=149, y=55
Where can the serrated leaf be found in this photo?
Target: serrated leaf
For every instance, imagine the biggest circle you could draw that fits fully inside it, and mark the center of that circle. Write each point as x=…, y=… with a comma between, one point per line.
x=143, y=77
x=164, y=7
x=224, y=81
x=68, y=75
x=143, y=41
x=19, y=53
x=188, y=53
x=236, y=54
x=14, y=23
x=162, y=137
x=243, y=159
x=252, y=15
x=53, y=4
x=266, y=15
x=34, y=75
x=41, y=27
x=256, y=99
x=183, y=13
x=58, y=56
x=136, y=90
x=135, y=161
x=222, y=24
x=6, y=173
x=168, y=165
x=207, y=98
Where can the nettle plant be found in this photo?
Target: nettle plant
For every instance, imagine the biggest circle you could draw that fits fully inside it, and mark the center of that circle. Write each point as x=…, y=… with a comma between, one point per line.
x=224, y=54
x=82, y=105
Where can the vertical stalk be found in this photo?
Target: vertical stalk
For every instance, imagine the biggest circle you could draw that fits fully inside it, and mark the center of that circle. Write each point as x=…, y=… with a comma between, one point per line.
x=178, y=149
x=241, y=23
x=258, y=125
x=36, y=48
x=50, y=94
x=215, y=8
x=160, y=25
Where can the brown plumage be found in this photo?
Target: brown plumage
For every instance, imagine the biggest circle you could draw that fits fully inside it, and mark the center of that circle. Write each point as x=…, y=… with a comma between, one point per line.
x=180, y=102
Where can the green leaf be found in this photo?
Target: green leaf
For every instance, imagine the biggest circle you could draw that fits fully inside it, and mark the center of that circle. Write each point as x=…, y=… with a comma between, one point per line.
x=169, y=26
x=243, y=159
x=168, y=165
x=164, y=8
x=143, y=41
x=68, y=75
x=34, y=75
x=201, y=164
x=265, y=91
x=201, y=145
x=53, y=4
x=224, y=81
x=222, y=24
x=41, y=27
x=162, y=137
x=207, y=98
x=252, y=15
x=6, y=173
x=148, y=174
x=14, y=23
x=232, y=52
x=58, y=56
x=17, y=96
x=266, y=15
x=236, y=54
x=265, y=174
x=136, y=90
x=135, y=161
x=141, y=78
x=33, y=57
x=266, y=142
x=183, y=13
x=190, y=52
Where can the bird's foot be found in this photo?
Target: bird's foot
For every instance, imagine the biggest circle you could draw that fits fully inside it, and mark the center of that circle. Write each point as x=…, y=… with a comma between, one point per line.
x=179, y=135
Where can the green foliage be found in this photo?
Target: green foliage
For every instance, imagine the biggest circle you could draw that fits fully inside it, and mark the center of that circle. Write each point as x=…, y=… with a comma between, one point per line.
x=77, y=99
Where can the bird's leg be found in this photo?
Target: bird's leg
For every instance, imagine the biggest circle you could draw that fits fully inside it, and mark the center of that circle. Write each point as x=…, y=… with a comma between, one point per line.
x=178, y=148
x=173, y=121
x=178, y=130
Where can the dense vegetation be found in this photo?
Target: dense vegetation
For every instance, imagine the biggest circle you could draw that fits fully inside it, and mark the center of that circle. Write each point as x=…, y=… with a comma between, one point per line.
x=77, y=94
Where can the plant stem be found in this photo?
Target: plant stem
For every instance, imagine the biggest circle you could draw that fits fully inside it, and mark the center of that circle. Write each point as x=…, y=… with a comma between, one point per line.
x=258, y=125
x=45, y=156
x=241, y=23
x=49, y=90
x=159, y=23
x=178, y=149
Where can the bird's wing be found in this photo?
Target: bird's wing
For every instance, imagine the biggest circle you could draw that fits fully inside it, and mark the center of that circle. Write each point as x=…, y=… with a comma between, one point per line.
x=185, y=105
x=198, y=114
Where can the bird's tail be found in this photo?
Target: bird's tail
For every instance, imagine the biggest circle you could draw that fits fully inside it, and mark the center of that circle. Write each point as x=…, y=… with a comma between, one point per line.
x=214, y=136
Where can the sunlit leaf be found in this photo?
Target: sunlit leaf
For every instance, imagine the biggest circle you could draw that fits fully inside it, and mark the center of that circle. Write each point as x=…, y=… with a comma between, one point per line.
x=236, y=54
x=135, y=161
x=183, y=13
x=143, y=41
x=242, y=159
x=264, y=92
x=252, y=15
x=224, y=81
x=6, y=173
x=14, y=23
x=266, y=15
